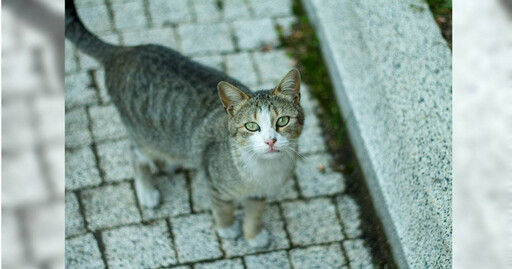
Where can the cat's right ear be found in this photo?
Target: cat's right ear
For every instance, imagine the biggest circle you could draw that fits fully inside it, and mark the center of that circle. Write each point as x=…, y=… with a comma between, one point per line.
x=230, y=96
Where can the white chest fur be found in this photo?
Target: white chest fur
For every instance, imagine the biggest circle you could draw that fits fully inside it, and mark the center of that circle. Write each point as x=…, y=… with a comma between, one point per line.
x=266, y=177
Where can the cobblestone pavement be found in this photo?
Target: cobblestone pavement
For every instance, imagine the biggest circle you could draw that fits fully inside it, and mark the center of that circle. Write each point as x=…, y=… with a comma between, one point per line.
x=313, y=225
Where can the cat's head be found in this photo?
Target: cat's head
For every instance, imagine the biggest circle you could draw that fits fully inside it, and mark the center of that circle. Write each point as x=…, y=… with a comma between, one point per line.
x=267, y=123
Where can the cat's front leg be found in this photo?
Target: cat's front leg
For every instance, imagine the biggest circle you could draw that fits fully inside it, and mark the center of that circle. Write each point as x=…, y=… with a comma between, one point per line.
x=147, y=194
x=255, y=234
x=224, y=215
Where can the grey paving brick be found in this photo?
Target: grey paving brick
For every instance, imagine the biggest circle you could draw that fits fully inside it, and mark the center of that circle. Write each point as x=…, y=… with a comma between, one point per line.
x=235, y=10
x=350, y=216
x=50, y=116
x=74, y=220
x=255, y=34
x=312, y=222
x=87, y=62
x=159, y=36
x=273, y=222
x=200, y=199
x=110, y=37
x=315, y=177
x=106, y=123
x=330, y=256
x=241, y=67
x=77, y=128
x=78, y=90
x=95, y=17
x=181, y=267
x=165, y=12
x=174, y=195
x=269, y=260
x=129, y=14
x=17, y=129
x=83, y=252
x=195, y=238
x=308, y=103
x=44, y=230
x=81, y=170
x=311, y=140
x=99, y=78
x=141, y=246
x=22, y=181
x=286, y=25
x=86, y=3
x=20, y=78
x=54, y=159
x=110, y=206
x=206, y=10
x=224, y=264
x=358, y=254
x=205, y=38
x=214, y=61
x=70, y=63
x=273, y=65
x=11, y=235
x=271, y=8
x=115, y=160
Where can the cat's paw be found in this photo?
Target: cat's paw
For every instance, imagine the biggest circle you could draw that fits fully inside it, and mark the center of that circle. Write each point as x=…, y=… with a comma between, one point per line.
x=230, y=232
x=260, y=241
x=148, y=197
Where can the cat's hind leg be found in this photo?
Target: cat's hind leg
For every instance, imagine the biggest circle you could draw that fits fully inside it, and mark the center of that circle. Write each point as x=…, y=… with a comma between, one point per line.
x=144, y=169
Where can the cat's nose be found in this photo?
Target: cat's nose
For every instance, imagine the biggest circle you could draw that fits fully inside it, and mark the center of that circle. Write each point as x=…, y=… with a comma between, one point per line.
x=271, y=142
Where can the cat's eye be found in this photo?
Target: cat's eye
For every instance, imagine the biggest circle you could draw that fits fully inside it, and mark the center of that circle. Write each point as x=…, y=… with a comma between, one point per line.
x=252, y=126
x=283, y=121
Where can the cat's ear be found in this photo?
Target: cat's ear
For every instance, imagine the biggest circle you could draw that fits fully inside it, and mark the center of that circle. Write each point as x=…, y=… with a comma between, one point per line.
x=289, y=86
x=230, y=96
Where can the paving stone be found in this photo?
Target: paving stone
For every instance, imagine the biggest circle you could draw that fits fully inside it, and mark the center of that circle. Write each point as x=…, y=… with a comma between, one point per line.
x=110, y=37
x=70, y=63
x=224, y=264
x=44, y=230
x=77, y=128
x=110, y=206
x=78, y=90
x=87, y=62
x=11, y=236
x=81, y=170
x=214, y=61
x=311, y=140
x=22, y=181
x=308, y=103
x=358, y=255
x=195, y=238
x=74, y=220
x=312, y=222
x=20, y=77
x=269, y=260
x=350, y=216
x=286, y=25
x=115, y=160
x=158, y=36
x=255, y=34
x=141, y=246
x=50, y=116
x=99, y=78
x=129, y=14
x=205, y=38
x=174, y=195
x=206, y=10
x=271, y=8
x=273, y=222
x=181, y=267
x=330, y=256
x=235, y=10
x=83, y=252
x=17, y=128
x=86, y=3
x=240, y=66
x=54, y=159
x=95, y=17
x=315, y=177
x=106, y=123
x=273, y=65
x=165, y=12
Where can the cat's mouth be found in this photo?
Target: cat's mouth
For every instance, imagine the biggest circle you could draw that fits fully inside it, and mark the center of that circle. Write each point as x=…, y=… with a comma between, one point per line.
x=272, y=151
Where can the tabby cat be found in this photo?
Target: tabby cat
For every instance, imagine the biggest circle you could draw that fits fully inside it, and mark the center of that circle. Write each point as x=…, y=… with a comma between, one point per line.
x=244, y=147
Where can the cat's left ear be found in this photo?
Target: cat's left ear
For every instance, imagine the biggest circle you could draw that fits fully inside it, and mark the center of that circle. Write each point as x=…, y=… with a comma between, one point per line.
x=289, y=86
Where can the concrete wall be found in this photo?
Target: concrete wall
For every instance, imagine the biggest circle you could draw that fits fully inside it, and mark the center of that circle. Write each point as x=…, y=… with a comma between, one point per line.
x=391, y=70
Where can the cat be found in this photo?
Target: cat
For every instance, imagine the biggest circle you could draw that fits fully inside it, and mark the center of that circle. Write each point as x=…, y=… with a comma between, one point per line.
x=179, y=113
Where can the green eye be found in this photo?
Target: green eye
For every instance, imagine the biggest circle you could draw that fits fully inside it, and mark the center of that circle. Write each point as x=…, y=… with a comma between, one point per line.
x=252, y=126
x=283, y=121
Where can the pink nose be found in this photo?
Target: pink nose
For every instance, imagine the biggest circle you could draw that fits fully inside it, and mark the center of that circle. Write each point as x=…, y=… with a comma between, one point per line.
x=271, y=142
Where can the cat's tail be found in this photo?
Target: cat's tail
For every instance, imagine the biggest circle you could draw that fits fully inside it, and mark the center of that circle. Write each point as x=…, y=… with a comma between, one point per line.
x=83, y=38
